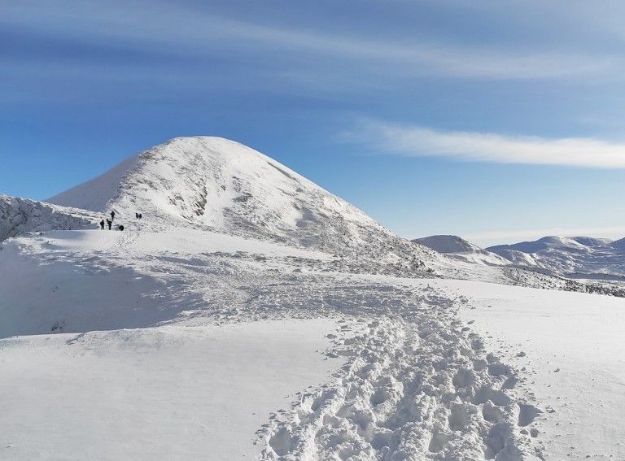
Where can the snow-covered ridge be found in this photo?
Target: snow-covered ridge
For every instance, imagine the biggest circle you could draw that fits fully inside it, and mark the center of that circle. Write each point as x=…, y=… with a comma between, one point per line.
x=19, y=215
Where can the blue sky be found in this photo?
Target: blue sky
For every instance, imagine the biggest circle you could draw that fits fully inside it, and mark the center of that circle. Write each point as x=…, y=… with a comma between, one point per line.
x=497, y=121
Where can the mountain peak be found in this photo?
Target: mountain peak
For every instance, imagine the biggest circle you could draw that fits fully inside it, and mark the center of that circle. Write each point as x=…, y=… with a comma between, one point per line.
x=219, y=184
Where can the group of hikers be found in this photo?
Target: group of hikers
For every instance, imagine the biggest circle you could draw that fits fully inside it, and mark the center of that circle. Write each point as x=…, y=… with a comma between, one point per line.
x=109, y=221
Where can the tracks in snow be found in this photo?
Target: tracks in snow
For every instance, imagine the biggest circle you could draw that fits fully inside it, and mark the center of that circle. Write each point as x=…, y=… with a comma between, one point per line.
x=418, y=386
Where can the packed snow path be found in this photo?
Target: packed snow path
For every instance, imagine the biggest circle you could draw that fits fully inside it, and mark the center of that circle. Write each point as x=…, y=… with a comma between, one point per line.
x=417, y=383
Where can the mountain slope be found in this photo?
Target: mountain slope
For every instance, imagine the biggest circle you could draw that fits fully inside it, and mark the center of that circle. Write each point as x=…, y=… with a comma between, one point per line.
x=217, y=184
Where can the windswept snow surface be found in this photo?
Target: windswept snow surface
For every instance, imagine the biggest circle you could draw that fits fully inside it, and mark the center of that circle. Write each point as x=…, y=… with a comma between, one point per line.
x=411, y=381
x=169, y=393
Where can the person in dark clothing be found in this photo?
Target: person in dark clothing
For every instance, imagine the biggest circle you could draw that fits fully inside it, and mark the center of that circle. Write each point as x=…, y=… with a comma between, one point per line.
x=102, y=225
x=140, y=215
x=121, y=227
x=136, y=215
x=112, y=215
x=109, y=223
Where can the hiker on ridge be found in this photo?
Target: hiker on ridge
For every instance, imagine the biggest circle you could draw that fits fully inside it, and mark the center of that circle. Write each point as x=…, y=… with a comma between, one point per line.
x=112, y=215
x=102, y=224
x=109, y=223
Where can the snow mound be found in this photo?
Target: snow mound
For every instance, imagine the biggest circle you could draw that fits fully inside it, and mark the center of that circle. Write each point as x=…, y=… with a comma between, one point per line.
x=19, y=216
x=216, y=184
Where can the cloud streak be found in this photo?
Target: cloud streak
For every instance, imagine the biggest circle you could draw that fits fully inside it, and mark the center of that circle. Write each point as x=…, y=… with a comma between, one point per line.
x=418, y=141
x=198, y=32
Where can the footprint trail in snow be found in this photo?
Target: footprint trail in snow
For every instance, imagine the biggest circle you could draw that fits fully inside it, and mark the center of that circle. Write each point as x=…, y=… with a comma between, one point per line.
x=418, y=385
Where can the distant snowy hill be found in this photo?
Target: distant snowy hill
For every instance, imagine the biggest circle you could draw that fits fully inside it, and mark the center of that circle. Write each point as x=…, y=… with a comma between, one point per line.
x=457, y=248
x=574, y=257
x=447, y=244
x=216, y=184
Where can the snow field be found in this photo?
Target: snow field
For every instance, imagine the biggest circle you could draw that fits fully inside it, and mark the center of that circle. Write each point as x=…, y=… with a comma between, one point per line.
x=417, y=384
x=167, y=393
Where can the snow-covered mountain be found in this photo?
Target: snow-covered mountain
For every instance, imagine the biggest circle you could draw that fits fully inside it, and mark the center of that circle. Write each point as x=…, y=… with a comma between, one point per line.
x=459, y=249
x=216, y=184
x=574, y=257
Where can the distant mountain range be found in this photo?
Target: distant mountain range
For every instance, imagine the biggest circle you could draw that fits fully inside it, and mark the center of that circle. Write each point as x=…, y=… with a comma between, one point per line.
x=570, y=257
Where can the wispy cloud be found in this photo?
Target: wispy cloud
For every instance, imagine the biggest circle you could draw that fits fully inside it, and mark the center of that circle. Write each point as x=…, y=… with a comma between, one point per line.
x=407, y=140
x=187, y=31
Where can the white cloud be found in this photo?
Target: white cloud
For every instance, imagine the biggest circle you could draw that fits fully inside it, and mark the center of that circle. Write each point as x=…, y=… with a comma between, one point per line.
x=390, y=138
